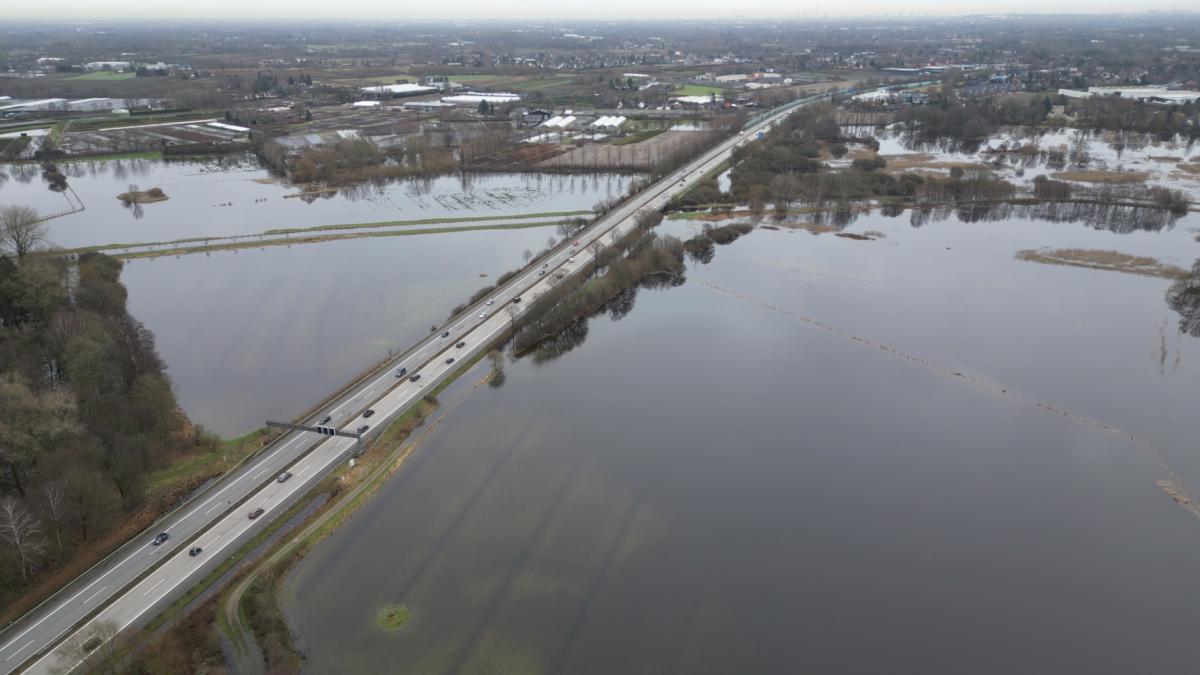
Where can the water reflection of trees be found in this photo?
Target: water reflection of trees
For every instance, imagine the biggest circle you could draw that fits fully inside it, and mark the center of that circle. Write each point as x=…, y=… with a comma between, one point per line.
x=1121, y=219
x=1184, y=297
x=619, y=307
x=570, y=337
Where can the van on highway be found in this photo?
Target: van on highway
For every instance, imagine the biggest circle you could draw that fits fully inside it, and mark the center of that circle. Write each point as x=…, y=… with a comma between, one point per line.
x=256, y=513
x=325, y=420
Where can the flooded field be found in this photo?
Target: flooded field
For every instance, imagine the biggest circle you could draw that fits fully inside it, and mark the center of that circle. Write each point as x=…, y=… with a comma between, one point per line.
x=253, y=334
x=236, y=196
x=905, y=451
x=1022, y=154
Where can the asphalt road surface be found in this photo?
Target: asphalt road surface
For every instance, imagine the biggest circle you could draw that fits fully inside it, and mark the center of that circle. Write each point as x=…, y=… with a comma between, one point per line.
x=140, y=579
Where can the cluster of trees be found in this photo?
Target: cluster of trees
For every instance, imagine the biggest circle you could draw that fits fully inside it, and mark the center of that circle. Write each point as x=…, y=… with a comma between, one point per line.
x=1184, y=297
x=631, y=260
x=86, y=410
x=791, y=148
x=1116, y=113
x=354, y=160
x=53, y=176
x=962, y=126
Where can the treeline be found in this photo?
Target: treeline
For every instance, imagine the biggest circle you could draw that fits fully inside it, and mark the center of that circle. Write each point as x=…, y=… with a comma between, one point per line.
x=86, y=412
x=354, y=160
x=1115, y=113
x=961, y=126
x=702, y=247
x=634, y=258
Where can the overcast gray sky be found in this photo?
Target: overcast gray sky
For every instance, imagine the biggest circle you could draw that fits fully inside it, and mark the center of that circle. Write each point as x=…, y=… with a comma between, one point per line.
x=535, y=10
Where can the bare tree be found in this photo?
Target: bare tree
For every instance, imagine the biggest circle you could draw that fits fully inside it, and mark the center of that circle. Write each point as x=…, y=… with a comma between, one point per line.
x=20, y=230
x=527, y=255
x=54, y=493
x=22, y=532
x=596, y=247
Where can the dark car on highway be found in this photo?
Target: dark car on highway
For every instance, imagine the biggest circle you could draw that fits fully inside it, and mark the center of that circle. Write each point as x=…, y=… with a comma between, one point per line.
x=363, y=428
x=368, y=412
x=415, y=377
x=402, y=372
x=516, y=299
x=256, y=513
x=160, y=538
x=461, y=345
x=446, y=334
x=194, y=551
x=450, y=360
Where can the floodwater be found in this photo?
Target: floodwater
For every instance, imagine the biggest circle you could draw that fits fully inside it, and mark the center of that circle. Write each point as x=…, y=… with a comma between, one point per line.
x=236, y=196
x=254, y=334
x=1163, y=161
x=916, y=454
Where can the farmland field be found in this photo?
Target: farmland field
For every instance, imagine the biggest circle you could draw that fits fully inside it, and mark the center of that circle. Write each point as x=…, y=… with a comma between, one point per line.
x=104, y=76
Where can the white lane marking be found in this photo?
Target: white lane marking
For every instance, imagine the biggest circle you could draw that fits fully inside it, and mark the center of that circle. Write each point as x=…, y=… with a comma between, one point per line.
x=264, y=470
x=156, y=584
x=212, y=508
x=73, y=597
x=19, y=650
x=661, y=195
x=93, y=595
x=338, y=448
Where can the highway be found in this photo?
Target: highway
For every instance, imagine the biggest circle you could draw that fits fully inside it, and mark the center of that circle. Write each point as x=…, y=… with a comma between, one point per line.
x=137, y=581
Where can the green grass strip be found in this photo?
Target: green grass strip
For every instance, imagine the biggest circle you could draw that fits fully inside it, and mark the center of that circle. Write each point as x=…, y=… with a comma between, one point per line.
x=314, y=239
x=426, y=221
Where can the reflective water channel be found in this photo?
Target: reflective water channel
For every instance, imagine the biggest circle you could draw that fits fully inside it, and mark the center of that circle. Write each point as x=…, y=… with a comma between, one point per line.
x=236, y=196
x=254, y=334
x=819, y=454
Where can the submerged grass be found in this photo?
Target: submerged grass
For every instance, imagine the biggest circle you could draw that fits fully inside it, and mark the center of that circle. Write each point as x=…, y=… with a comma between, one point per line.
x=251, y=608
x=392, y=617
x=1104, y=260
x=1098, y=176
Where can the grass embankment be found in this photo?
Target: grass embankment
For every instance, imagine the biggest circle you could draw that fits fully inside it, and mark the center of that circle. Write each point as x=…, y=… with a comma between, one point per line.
x=309, y=239
x=149, y=154
x=426, y=221
x=175, y=642
x=251, y=609
x=216, y=243
x=165, y=489
x=11, y=147
x=1114, y=261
